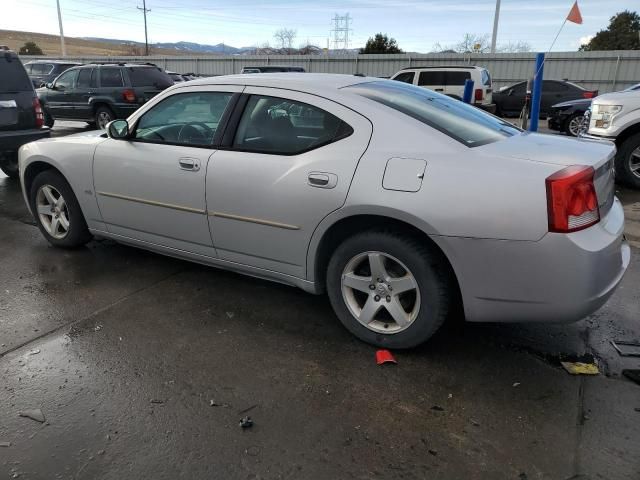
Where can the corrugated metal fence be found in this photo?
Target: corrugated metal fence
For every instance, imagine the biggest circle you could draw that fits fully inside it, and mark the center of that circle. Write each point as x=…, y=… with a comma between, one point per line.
x=604, y=71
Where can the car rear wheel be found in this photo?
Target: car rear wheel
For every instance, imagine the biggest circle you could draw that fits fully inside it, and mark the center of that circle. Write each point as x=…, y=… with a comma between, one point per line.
x=573, y=125
x=58, y=214
x=104, y=115
x=9, y=165
x=48, y=119
x=389, y=290
x=628, y=161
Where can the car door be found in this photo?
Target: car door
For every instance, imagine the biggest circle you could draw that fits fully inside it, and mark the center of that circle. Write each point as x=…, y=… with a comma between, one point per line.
x=151, y=187
x=454, y=83
x=79, y=97
x=513, y=98
x=287, y=165
x=58, y=96
x=552, y=92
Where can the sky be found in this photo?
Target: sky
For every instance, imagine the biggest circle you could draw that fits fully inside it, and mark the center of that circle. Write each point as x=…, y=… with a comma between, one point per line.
x=417, y=25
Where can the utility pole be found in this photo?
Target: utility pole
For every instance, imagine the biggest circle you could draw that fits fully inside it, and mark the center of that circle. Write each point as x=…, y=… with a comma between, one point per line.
x=146, y=40
x=494, y=37
x=62, y=47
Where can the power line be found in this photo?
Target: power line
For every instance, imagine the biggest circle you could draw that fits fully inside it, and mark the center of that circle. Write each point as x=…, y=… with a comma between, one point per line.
x=146, y=39
x=341, y=31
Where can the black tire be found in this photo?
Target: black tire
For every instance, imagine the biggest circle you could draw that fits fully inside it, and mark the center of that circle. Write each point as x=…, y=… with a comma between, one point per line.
x=9, y=165
x=567, y=124
x=49, y=121
x=78, y=234
x=429, y=269
x=625, y=157
x=103, y=116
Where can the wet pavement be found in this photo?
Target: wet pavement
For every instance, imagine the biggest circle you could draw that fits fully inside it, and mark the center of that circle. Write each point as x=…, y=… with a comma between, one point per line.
x=144, y=365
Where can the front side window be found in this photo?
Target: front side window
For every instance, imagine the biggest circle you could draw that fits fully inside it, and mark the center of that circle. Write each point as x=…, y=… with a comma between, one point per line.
x=185, y=119
x=406, y=77
x=66, y=80
x=84, y=78
x=287, y=127
x=464, y=123
x=111, y=77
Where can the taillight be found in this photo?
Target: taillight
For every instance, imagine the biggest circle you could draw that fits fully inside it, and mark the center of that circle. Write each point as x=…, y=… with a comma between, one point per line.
x=572, y=202
x=590, y=94
x=478, y=95
x=39, y=113
x=129, y=96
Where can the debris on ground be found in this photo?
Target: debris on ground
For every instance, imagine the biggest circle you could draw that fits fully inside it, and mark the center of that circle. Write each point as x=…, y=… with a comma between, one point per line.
x=433, y=452
x=247, y=410
x=516, y=384
x=34, y=352
x=637, y=409
x=35, y=414
x=213, y=403
x=626, y=349
x=253, y=451
x=475, y=423
x=633, y=375
x=246, y=422
x=230, y=314
x=156, y=401
x=384, y=356
x=581, y=368
x=437, y=408
x=5, y=444
x=97, y=328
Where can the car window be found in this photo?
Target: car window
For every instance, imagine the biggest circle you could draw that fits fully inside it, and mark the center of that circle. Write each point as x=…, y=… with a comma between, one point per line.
x=431, y=78
x=149, y=77
x=456, y=78
x=84, y=78
x=486, y=78
x=28, y=67
x=406, y=77
x=184, y=119
x=65, y=81
x=111, y=77
x=462, y=122
x=286, y=127
x=553, y=86
x=518, y=88
x=93, y=83
x=14, y=77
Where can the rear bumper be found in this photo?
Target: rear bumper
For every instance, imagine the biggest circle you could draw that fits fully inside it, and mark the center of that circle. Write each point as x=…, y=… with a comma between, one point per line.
x=560, y=278
x=11, y=141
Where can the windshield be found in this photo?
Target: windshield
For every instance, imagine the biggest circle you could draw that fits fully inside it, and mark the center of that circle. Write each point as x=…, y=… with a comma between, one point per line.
x=462, y=122
x=14, y=77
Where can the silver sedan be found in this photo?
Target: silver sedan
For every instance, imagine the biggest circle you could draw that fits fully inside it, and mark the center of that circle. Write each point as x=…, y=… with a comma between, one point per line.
x=398, y=202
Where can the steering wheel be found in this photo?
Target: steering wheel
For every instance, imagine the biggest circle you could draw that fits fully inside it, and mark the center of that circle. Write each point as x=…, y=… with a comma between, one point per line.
x=195, y=132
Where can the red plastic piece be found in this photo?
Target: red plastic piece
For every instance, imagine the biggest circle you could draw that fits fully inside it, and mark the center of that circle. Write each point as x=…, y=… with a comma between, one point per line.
x=384, y=356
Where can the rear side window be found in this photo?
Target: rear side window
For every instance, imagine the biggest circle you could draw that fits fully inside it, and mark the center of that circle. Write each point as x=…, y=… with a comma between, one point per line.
x=13, y=76
x=149, y=77
x=456, y=78
x=464, y=123
x=431, y=78
x=84, y=78
x=406, y=77
x=111, y=77
x=286, y=127
x=486, y=78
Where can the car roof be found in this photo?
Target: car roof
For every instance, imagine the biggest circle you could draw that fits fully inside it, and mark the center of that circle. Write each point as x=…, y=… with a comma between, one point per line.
x=287, y=80
x=444, y=67
x=64, y=62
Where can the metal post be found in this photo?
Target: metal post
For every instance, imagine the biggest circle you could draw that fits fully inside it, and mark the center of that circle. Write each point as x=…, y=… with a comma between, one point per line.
x=494, y=37
x=62, y=46
x=146, y=40
x=468, y=90
x=536, y=93
x=615, y=74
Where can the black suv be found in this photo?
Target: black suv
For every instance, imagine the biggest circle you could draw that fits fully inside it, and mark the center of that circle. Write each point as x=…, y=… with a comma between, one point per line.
x=99, y=93
x=42, y=72
x=21, y=117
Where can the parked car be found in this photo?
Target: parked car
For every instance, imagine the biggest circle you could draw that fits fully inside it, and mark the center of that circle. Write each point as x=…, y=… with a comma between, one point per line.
x=568, y=117
x=42, y=72
x=616, y=117
x=632, y=88
x=21, y=118
x=271, y=69
x=101, y=92
x=397, y=201
x=510, y=100
x=451, y=80
x=177, y=77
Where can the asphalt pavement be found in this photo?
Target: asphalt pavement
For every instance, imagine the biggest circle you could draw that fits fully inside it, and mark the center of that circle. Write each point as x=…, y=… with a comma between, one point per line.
x=144, y=365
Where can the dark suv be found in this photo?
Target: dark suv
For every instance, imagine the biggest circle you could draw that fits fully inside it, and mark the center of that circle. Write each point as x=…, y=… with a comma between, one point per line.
x=99, y=93
x=42, y=72
x=21, y=117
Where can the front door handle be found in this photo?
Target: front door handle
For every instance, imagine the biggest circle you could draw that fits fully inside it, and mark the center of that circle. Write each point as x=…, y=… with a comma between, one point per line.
x=322, y=179
x=189, y=164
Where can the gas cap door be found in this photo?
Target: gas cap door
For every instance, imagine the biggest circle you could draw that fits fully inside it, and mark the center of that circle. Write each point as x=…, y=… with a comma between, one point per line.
x=404, y=174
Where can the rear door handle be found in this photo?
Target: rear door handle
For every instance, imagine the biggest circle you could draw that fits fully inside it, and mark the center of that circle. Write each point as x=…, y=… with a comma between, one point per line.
x=439, y=89
x=189, y=164
x=322, y=179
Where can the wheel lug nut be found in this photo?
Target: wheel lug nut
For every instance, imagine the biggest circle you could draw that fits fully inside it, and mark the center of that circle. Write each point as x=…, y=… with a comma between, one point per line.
x=372, y=287
x=390, y=288
x=379, y=280
x=377, y=298
x=388, y=298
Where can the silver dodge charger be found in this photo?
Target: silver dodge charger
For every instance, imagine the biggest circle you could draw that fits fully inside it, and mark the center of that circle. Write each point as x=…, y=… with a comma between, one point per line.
x=398, y=202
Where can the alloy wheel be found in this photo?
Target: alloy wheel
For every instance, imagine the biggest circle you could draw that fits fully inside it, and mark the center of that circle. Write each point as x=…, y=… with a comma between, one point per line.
x=52, y=211
x=103, y=119
x=634, y=162
x=380, y=292
x=576, y=125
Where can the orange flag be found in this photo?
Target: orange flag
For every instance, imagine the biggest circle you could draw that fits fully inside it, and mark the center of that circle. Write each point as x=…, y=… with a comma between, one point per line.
x=574, y=15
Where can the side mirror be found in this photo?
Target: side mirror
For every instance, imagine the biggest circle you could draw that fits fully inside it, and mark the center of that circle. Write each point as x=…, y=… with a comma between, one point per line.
x=118, y=129
x=49, y=85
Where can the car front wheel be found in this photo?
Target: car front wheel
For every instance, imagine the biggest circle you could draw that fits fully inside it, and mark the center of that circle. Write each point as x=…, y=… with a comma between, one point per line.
x=573, y=126
x=628, y=161
x=104, y=115
x=389, y=290
x=57, y=211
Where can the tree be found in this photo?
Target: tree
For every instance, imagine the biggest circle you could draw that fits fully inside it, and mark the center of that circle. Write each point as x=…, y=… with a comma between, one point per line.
x=381, y=43
x=517, y=47
x=474, y=43
x=623, y=33
x=284, y=37
x=30, y=48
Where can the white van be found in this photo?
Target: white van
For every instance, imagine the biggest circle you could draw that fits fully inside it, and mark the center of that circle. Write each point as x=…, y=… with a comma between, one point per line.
x=450, y=81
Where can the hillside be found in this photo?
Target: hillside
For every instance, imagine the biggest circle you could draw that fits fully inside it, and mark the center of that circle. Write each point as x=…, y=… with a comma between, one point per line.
x=50, y=45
